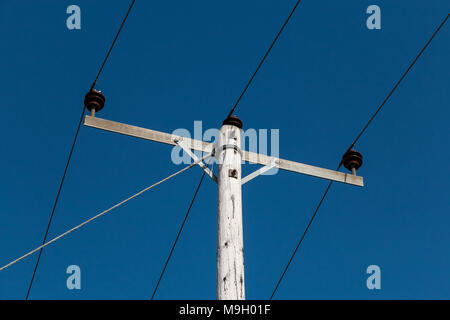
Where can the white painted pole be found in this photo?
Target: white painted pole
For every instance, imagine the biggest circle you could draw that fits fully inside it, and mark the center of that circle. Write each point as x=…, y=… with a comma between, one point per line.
x=230, y=242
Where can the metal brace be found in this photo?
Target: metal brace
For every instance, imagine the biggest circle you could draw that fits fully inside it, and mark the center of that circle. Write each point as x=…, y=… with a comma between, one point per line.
x=260, y=171
x=202, y=165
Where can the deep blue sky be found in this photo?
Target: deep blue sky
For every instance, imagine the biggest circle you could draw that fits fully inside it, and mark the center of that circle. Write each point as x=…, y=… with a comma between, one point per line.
x=180, y=61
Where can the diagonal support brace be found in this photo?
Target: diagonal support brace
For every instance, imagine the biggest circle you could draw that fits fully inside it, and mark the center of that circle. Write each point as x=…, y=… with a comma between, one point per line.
x=260, y=171
x=202, y=165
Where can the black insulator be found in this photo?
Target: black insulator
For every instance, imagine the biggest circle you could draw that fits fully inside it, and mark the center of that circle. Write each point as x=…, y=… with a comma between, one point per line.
x=233, y=121
x=94, y=99
x=352, y=159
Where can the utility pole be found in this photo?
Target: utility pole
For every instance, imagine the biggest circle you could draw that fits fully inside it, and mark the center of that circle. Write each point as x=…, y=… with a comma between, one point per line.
x=230, y=241
x=229, y=156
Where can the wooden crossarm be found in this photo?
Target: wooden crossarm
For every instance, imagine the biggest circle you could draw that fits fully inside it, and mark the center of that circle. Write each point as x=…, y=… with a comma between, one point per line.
x=207, y=147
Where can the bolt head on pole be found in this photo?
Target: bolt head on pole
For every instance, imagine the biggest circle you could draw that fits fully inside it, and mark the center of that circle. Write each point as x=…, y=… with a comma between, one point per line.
x=233, y=121
x=94, y=100
x=352, y=160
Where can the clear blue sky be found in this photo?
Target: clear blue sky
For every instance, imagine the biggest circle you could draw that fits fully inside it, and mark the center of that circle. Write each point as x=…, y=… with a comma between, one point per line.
x=180, y=61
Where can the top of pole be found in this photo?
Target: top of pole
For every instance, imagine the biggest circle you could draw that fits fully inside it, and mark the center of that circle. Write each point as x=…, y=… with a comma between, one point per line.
x=233, y=121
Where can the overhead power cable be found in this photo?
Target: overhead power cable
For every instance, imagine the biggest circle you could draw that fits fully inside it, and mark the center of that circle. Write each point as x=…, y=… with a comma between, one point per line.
x=351, y=146
x=398, y=82
x=113, y=43
x=103, y=213
x=264, y=58
x=179, y=233
x=72, y=148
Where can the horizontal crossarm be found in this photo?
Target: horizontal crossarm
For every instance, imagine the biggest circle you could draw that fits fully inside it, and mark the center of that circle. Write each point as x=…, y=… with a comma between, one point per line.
x=303, y=168
x=209, y=147
x=147, y=134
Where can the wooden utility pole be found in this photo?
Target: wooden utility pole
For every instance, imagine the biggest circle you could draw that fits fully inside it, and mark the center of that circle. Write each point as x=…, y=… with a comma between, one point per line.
x=230, y=241
x=230, y=255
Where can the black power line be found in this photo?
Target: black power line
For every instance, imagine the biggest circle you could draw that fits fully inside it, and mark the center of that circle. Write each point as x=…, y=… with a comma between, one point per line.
x=179, y=233
x=113, y=43
x=264, y=58
x=55, y=203
x=72, y=148
x=351, y=146
x=398, y=82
